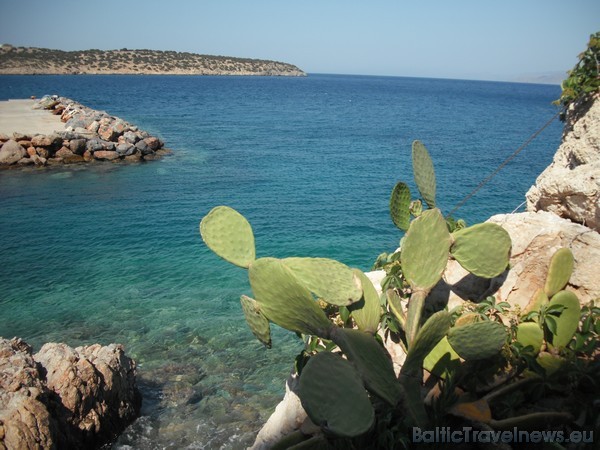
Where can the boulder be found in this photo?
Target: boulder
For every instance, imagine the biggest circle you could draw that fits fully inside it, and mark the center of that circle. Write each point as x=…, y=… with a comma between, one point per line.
x=42, y=152
x=131, y=137
x=25, y=420
x=4, y=137
x=106, y=155
x=143, y=147
x=63, y=397
x=11, y=152
x=38, y=160
x=570, y=186
x=64, y=152
x=152, y=143
x=77, y=146
x=107, y=133
x=53, y=140
x=24, y=143
x=25, y=162
x=93, y=145
x=73, y=159
x=21, y=137
x=125, y=148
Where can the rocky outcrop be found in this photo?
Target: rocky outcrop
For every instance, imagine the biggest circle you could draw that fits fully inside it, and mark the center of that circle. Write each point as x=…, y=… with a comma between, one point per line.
x=64, y=398
x=535, y=238
x=89, y=136
x=570, y=186
x=289, y=415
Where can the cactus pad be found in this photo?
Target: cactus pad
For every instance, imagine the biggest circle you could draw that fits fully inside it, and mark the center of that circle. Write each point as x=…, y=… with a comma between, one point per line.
x=441, y=359
x=227, y=233
x=395, y=304
x=372, y=362
x=425, y=250
x=259, y=325
x=367, y=311
x=334, y=397
x=530, y=334
x=430, y=334
x=537, y=301
x=328, y=279
x=559, y=272
x=400, y=206
x=568, y=321
x=284, y=300
x=482, y=249
x=478, y=340
x=424, y=173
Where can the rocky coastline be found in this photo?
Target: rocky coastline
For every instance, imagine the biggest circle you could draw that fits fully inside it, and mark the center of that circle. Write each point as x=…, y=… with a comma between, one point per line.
x=90, y=136
x=63, y=397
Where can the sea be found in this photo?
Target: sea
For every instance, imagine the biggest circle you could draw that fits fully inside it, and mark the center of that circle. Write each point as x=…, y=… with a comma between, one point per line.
x=112, y=253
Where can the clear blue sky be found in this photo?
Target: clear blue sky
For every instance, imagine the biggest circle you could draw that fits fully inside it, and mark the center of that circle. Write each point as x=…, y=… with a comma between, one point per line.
x=472, y=39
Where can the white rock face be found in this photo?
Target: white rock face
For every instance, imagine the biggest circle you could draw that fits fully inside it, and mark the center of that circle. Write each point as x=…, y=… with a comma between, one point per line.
x=570, y=186
x=288, y=417
x=535, y=238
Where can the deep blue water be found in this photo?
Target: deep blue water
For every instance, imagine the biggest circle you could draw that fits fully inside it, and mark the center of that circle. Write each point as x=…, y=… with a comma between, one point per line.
x=112, y=253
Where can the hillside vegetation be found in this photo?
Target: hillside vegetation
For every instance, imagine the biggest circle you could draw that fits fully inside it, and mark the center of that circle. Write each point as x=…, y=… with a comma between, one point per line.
x=31, y=60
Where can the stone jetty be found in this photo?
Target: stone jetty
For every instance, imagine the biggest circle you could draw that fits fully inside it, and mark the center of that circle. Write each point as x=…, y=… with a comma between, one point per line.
x=87, y=136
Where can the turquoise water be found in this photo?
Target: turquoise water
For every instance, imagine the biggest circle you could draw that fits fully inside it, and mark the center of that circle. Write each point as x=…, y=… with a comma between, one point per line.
x=112, y=253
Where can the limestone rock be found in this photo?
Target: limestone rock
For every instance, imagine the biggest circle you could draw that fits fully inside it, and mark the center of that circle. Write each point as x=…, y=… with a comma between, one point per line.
x=11, y=152
x=24, y=417
x=288, y=417
x=63, y=397
x=535, y=238
x=570, y=186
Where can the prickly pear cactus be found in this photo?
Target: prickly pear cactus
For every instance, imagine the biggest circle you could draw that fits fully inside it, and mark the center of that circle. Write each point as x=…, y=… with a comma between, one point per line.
x=425, y=250
x=328, y=279
x=372, y=362
x=477, y=340
x=568, y=321
x=400, y=206
x=367, y=311
x=430, y=334
x=559, y=271
x=395, y=304
x=482, y=249
x=441, y=359
x=333, y=395
x=284, y=300
x=424, y=173
x=258, y=323
x=537, y=301
x=530, y=334
x=227, y=233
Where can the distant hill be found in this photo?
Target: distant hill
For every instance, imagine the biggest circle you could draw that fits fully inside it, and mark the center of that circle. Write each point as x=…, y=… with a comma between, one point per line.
x=31, y=60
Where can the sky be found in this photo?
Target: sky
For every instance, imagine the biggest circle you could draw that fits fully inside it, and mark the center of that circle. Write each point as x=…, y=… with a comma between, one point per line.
x=505, y=40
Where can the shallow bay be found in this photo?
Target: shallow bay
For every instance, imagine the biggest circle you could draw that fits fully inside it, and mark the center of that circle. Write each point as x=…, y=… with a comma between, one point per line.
x=112, y=253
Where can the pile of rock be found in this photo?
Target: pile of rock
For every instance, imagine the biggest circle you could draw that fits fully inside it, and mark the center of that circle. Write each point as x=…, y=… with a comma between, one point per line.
x=89, y=136
x=65, y=398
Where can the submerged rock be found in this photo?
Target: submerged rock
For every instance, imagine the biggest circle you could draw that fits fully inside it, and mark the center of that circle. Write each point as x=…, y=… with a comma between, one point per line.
x=63, y=397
